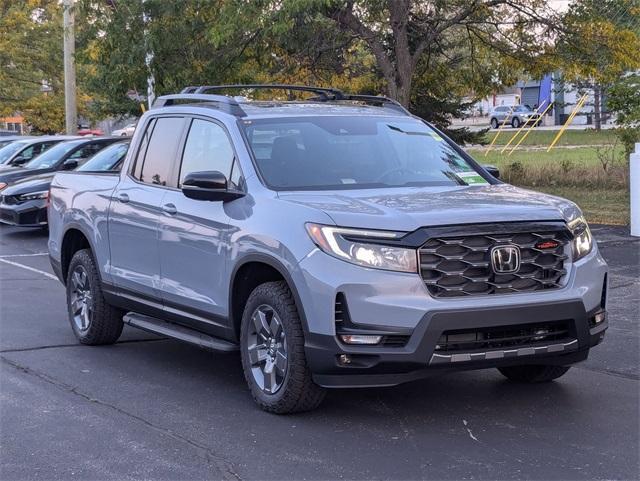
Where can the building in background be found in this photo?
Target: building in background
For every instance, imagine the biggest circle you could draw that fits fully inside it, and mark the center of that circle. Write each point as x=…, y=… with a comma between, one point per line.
x=12, y=125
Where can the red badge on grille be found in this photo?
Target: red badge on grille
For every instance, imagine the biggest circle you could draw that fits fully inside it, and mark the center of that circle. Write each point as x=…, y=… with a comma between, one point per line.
x=547, y=244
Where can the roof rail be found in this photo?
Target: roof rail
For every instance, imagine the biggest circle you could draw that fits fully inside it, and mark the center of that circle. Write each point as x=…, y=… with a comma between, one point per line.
x=225, y=103
x=232, y=106
x=335, y=94
x=378, y=99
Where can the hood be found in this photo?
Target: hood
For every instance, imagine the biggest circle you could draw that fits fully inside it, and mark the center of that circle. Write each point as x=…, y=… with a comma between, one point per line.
x=30, y=184
x=13, y=174
x=407, y=209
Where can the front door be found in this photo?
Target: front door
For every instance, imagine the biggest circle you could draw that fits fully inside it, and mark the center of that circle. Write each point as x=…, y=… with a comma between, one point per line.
x=194, y=234
x=136, y=208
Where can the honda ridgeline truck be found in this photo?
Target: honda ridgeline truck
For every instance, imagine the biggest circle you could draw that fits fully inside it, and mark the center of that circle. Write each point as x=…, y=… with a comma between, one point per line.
x=335, y=241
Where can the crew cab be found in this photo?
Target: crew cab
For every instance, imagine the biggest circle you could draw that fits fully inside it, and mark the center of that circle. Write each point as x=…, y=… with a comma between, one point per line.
x=335, y=241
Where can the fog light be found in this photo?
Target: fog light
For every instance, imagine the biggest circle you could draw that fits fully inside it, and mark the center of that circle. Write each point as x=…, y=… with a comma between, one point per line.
x=344, y=359
x=600, y=316
x=360, y=339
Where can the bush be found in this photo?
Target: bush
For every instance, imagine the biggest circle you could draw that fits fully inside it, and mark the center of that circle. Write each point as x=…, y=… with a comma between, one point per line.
x=628, y=137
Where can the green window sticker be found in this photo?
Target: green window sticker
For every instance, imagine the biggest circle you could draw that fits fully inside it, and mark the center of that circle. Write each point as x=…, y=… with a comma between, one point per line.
x=472, y=178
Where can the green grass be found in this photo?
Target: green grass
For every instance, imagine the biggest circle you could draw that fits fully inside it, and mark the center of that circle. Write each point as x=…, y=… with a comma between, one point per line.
x=545, y=137
x=573, y=169
x=573, y=173
x=579, y=156
x=600, y=206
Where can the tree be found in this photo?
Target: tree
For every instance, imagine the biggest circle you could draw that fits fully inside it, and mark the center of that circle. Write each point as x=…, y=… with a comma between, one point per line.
x=30, y=59
x=624, y=101
x=600, y=41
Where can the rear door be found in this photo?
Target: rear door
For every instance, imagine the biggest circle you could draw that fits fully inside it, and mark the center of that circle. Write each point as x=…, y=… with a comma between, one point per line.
x=136, y=208
x=194, y=234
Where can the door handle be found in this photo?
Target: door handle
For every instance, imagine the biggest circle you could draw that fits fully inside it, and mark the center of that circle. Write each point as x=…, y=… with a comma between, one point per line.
x=169, y=209
x=124, y=198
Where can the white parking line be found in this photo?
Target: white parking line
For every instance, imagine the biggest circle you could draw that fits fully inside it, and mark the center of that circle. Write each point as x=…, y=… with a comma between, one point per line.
x=4, y=256
x=46, y=274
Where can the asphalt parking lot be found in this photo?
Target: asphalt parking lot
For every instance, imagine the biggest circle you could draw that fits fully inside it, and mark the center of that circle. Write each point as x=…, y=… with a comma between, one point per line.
x=154, y=408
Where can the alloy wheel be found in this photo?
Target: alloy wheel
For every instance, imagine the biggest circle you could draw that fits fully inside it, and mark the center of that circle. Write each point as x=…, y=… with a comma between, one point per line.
x=267, y=349
x=81, y=298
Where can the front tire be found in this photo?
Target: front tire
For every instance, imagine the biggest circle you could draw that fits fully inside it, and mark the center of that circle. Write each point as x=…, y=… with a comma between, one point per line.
x=93, y=321
x=533, y=373
x=272, y=351
x=515, y=123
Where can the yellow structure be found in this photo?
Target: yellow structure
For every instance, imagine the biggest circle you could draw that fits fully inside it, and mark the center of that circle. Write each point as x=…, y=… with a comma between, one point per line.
x=527, y=132
x=579, y=105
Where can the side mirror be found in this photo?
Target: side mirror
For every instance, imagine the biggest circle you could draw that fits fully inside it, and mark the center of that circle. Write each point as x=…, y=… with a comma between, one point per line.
x=493, y=170
x=70, y=164
x=208, y=185
x=19, y=160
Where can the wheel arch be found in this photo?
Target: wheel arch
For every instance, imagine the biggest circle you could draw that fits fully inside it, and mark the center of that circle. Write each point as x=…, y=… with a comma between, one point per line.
x=263, y=268
x=73, y=240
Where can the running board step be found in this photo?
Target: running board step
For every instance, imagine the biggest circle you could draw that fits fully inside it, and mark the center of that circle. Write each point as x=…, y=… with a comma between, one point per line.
x=175, y=331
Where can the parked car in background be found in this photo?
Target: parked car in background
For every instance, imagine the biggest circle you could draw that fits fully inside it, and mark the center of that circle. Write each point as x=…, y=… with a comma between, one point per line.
x=63, y=156
x=88, y=131
x=22, y=151
x=126, y=131
x=25, y=203
x=8, y=139
x=335, y=242
x=512, y=115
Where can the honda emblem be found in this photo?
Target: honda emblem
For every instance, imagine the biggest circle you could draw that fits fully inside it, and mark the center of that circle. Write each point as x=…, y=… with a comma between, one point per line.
x=505, y=259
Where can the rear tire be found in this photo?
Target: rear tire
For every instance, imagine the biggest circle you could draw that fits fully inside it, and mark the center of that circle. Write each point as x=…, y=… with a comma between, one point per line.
x=494, y=123
x=94, y=322
x=533, y=373
x=272, y=351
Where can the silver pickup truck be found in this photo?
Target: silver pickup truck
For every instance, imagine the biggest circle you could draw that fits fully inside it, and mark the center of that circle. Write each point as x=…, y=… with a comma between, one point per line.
x=335, y=241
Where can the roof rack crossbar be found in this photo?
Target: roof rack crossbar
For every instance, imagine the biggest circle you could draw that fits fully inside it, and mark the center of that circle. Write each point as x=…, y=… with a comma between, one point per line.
x=328, y=93
x=225, y=103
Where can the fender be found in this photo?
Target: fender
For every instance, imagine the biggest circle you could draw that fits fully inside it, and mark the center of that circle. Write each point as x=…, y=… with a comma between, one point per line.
x=284, y=272
x=79, y=227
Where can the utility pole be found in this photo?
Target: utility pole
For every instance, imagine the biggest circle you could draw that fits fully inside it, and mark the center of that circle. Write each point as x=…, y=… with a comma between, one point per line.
x=70, y=106
x=148, y=58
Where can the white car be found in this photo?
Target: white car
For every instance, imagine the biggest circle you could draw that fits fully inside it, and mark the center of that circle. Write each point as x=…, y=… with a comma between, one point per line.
x=126, y=131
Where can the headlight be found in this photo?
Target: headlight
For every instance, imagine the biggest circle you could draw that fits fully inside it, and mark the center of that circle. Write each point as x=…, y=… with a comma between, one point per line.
x=342, y=243
x=34, y=195
x=582, y=240
x=2, y=185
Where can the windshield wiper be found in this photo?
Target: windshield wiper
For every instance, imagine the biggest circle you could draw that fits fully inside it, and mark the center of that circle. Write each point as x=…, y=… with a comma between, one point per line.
x=398, y=129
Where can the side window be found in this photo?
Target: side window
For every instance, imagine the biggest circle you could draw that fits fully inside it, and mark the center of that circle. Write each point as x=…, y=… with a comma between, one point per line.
x=207, y=148
x=161, y=150
x=30, y=152
x=142, y=149
x=87, y=151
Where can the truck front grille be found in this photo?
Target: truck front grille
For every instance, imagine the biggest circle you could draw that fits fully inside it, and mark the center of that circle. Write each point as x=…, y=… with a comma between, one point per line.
x=461, y=265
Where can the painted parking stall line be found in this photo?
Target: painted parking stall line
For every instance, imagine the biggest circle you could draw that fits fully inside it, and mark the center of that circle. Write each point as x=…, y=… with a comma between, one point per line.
x=28, y=268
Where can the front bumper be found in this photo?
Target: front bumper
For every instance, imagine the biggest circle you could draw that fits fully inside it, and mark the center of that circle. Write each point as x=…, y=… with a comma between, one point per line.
x=399, y=304
x=387, y=366
x=32, y=213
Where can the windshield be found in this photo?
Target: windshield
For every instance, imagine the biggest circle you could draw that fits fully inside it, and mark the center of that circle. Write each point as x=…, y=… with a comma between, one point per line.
x=7, y=151
x=52, y=156
x=106, y=159
x=321, y=153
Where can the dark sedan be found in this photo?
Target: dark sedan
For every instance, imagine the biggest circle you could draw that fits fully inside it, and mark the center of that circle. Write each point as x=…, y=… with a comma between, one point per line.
x=63, y=156
x=25, y=202
x=22, y=150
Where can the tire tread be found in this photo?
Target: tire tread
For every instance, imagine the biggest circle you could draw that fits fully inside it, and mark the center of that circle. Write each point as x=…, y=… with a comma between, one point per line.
x=301, y=393
x=106, y=323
